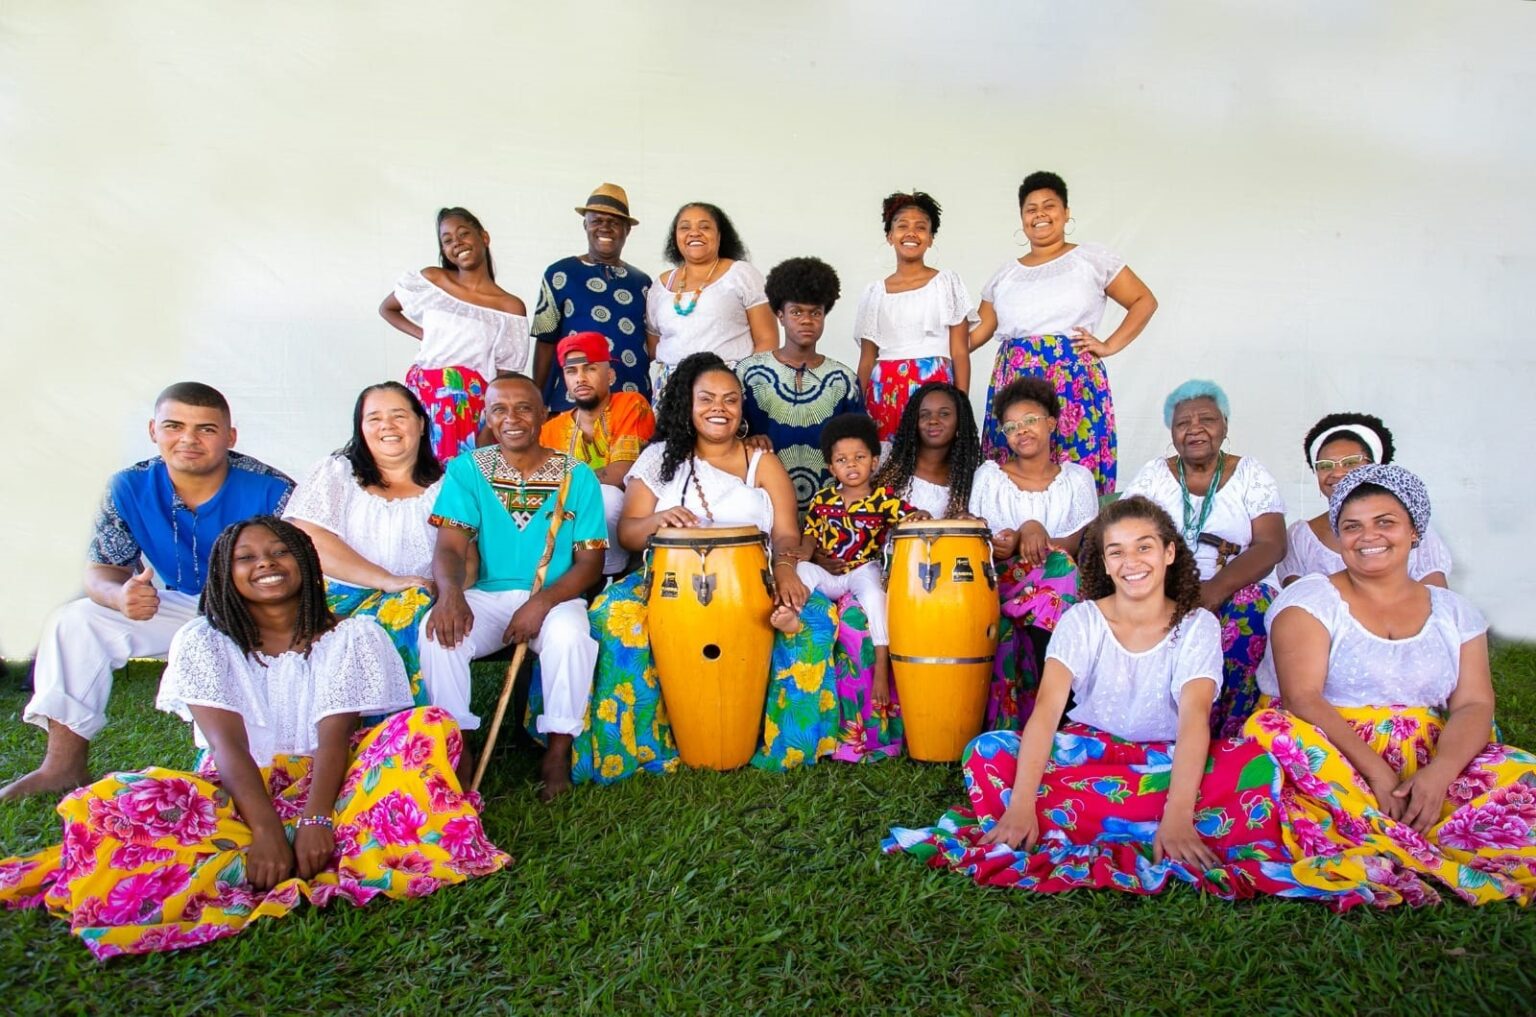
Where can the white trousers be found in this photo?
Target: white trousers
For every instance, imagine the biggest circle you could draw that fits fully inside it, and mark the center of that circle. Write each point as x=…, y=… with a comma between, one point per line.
x=567, y=657
x=82, y=644
x=616, y=559
x=865, y=583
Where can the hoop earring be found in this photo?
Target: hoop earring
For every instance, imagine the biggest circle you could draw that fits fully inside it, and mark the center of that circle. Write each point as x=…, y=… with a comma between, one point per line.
x=741, y=432
x=1018, y=238
x=1070, y=228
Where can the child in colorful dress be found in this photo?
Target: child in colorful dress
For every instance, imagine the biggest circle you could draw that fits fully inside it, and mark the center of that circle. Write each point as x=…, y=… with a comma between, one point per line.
x=470, y=329
x=289, y=799
x=1132, y=792
x=845, y=528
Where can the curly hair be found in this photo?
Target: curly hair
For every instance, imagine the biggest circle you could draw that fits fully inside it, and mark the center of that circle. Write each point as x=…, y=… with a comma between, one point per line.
x=920, y=200
x=802, y=281
x=730, y=241
x=1043, y=180
x=1181, y=583
x=425, y=471
x=460, y=213
x=674, y=417
x=1028, y=389
x=226, y=610
x=964, y=457
x=1355, y=422
x=850, y=425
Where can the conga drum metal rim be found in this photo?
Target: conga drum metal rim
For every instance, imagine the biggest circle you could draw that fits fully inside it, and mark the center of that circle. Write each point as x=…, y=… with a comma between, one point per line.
x=707, y=537
x=942, y=528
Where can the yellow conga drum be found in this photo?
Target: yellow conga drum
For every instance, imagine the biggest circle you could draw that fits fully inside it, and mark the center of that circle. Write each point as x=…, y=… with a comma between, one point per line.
x=708, y=614
x=944, y=611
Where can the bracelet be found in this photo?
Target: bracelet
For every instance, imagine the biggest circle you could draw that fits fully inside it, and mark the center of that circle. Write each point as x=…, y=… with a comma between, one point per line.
x=325, y=821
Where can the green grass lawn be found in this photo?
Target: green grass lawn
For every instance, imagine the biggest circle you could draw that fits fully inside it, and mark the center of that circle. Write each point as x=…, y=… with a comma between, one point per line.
x=757, y=893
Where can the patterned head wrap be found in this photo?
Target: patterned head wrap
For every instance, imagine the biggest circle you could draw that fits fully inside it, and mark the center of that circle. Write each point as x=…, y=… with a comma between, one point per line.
x=1405, y=486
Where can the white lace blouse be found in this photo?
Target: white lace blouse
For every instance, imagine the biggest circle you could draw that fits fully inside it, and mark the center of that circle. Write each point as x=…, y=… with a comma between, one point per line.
x=1251, y=492
x=393, y=534
x=913, y=324
x=456, y=333
x=1306, y=555
x=930, y=497
x=1134, y=696
x=717, y=324
x=1054, y=298
x=353, y=668
x=1365, y=669
x=732, y=501
x=1066, y=506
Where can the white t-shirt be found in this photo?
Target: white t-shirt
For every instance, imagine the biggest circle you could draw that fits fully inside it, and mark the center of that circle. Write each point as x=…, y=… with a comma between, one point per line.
x=1134, y=696
x=717, y=324
x=1366, y=670
x=353, y=668
x=732, y=501
x=1251, y=492
x=1066, y=506
x=1306, y=555
x=456, y=333
x=1054, y=298
x=913, y=324
x=392, y=533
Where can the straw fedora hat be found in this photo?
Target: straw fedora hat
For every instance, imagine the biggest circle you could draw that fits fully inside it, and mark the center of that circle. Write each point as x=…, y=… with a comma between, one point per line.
x=609, y=198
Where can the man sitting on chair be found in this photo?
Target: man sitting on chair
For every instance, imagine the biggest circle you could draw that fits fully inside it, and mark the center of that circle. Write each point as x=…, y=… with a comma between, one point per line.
x=504, y=498
x=606, y=429
x=166, y=510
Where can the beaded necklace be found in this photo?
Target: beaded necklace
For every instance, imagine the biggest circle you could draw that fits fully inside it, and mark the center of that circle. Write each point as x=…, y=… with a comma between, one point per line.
x=678, y=276
x=599, y=430
x=1193, y=525
x=698, y=488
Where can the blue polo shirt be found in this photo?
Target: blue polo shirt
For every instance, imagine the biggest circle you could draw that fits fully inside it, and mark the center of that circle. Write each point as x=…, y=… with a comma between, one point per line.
x=142, y=517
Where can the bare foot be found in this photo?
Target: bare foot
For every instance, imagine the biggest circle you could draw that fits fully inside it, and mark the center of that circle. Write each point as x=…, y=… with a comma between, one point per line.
x=786, y=619
x=880, y=682
x=44, y=780
x=465, y=771
x=555, y=770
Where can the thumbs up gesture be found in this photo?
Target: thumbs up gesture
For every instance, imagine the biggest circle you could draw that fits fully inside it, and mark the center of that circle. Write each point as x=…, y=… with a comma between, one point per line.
x=140, y=602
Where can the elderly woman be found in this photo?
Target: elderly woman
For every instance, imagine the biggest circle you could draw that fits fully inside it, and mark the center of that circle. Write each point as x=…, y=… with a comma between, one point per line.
x=1338, y=443
x=703, y=474
x=366, y=509
x=1383, y=725
x=595, y=292
x=1229, y=510
x=1046, y=306
x=713, y=301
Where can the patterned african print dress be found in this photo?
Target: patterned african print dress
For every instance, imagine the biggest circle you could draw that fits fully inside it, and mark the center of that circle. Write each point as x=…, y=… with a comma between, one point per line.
x=790, y=405
x=463, y=346
x=576, y=295
x=911, y=332
x=1038, y=307
x=155, y=860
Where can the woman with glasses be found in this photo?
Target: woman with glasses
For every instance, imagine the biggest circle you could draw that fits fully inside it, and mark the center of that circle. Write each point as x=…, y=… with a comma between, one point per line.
x=1229, y=510
x=1337, y=444
x=1037, y=509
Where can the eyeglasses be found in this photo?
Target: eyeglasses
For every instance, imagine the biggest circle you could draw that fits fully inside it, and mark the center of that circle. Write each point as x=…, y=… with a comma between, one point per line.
x=1347, y=463
x=1013, y=427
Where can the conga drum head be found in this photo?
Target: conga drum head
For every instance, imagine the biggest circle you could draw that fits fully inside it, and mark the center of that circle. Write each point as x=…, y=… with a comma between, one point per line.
x=930, y=528
x=706, y=536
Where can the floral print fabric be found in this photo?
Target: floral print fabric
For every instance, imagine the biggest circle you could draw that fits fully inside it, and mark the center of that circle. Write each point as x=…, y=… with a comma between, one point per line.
x=1483, y=847
x=1085, y=431
x=453, y=398
x=892, y=383
x=155, y=860
x=1244, y=638
x=398, y=614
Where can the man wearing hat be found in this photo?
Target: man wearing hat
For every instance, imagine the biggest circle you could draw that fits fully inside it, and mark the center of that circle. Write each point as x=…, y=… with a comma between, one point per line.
x=595, y=292
x=604, y=429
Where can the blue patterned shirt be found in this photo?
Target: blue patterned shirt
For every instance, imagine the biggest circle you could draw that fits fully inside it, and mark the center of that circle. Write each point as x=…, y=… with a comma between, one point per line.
x=789, y=406
x=579, y=297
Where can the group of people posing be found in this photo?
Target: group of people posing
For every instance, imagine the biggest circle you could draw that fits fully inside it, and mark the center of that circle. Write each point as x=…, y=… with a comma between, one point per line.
x=1157, y=711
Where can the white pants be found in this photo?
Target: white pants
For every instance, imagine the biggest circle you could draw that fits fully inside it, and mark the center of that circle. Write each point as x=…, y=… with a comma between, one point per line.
x=865, y=583
x=567, y=657
x=82, y=644
x=616, y=559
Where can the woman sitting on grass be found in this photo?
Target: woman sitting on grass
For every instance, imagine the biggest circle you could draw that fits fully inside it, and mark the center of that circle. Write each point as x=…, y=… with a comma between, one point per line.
x=1132, y=792
x=1383, y=725
x=288, y=799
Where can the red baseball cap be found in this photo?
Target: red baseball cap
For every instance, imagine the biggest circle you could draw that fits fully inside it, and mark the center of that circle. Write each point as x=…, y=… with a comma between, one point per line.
x=591, y=346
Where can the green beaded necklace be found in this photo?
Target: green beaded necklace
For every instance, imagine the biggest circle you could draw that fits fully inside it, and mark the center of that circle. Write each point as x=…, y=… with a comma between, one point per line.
x=1195, y=525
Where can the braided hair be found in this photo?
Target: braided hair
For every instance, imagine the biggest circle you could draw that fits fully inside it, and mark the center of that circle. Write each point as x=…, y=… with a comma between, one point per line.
x=674, y=417
x=226, y=610
x=1356, y=422
x=964, y=457
x=1181, y=584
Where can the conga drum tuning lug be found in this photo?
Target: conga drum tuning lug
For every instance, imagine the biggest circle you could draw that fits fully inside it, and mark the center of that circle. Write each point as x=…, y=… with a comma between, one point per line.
x=704, y=589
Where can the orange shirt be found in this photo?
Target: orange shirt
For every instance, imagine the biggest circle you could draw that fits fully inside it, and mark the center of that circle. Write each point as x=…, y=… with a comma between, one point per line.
x=622, y=431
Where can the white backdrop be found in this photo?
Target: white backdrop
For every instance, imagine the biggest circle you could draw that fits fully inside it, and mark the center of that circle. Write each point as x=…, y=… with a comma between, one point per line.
x=1331, y=200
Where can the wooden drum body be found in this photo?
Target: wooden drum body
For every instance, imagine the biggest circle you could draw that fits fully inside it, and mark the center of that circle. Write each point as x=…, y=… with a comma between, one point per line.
x=943, y=622
x=708, y=611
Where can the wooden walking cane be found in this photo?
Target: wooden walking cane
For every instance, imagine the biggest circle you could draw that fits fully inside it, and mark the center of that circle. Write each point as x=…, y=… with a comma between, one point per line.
x=555, y=519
